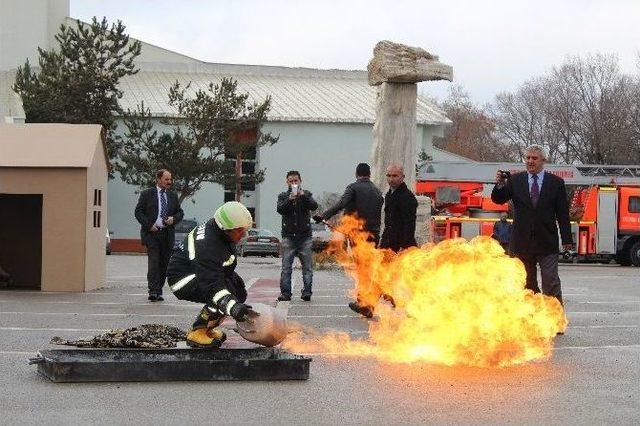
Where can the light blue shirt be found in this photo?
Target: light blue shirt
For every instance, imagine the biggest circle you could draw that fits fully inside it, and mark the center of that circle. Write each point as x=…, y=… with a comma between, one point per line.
x=540, y=179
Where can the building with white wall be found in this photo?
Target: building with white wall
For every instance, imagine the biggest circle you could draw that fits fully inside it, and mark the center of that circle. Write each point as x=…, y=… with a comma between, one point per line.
x=324, y=118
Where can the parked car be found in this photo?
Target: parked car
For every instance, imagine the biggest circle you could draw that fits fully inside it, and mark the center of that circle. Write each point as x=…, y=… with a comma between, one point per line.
x=321, y=235
x=259, y=241
x=181, y=229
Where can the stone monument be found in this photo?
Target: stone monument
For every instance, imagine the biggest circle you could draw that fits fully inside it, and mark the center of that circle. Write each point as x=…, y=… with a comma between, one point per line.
x=397, y=69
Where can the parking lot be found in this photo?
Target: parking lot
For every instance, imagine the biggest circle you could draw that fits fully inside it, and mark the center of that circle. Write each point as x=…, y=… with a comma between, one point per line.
x=593, y=376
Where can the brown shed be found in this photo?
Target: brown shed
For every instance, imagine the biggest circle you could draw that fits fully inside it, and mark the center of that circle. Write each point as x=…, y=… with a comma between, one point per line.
x=53, y=206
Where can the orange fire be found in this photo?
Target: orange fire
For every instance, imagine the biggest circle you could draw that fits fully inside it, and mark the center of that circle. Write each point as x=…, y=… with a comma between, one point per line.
x=456, y=303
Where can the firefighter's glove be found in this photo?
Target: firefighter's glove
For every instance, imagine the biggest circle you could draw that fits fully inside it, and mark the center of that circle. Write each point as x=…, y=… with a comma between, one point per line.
x=241, y=312
x=317, y=218
x=228, y=304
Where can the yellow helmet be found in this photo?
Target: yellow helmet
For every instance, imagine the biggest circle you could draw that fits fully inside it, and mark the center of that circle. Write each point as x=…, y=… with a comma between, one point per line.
x=231, y=215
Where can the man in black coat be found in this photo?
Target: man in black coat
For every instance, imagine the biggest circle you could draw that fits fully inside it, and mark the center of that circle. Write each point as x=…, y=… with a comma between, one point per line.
x=400, y=206
x=295, y=205
x=539, y=201
x=364, y=199
x=158, y=211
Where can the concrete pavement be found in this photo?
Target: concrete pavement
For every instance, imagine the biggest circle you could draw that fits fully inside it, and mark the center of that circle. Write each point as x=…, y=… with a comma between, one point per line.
x=592, y=377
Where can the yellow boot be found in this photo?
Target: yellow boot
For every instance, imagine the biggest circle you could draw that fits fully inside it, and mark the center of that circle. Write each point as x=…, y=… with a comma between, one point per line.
x=206, y=338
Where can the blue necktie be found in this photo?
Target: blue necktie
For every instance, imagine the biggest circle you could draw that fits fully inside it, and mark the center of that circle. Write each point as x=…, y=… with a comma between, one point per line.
x=535, y=190
x=163, y=204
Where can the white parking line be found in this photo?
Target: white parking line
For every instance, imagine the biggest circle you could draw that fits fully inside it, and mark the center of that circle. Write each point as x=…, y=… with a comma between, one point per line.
x=90, y=315
x=604, y=326
x=560, y=348
x=602, y=312
x=127, y=277
x=51, y=329
x=248, y=284
x=338, y=354
x=64, y=302
x=597, y=277
x=357, y=316
x=324, y=316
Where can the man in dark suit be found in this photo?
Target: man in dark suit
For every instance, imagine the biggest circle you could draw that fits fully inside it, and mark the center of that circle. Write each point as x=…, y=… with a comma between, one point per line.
x=400, y=207
x=539, y=201
x=363, y=199
x=158, y=211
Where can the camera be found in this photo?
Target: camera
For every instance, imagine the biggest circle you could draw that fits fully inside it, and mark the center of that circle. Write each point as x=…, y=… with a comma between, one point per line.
x=505, y=174
x=294, y=189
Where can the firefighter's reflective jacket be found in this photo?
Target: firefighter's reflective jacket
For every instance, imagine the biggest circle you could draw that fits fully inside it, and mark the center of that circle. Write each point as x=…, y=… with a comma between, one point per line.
x=204, y=269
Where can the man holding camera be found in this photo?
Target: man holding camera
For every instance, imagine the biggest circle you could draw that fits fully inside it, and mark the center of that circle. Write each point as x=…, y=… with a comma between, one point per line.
x=539, y=201
x=295, y=206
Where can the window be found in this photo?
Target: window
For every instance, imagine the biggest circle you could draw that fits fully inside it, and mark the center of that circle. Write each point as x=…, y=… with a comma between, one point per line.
x=97, y=197
x=634, y=204
x=229, y=196
x=249, y=154
x=248, y=167
x=96, y=219
x=246, y=186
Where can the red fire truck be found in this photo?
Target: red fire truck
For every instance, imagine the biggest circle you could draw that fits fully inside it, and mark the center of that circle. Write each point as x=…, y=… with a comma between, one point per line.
x=605, y=204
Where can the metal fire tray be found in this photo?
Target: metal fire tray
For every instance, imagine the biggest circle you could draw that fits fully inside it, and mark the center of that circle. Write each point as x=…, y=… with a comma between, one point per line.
x=151, y=365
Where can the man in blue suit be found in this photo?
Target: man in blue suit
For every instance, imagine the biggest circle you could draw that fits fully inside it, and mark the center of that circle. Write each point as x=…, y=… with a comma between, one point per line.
x=540, y=201
x=158, y=211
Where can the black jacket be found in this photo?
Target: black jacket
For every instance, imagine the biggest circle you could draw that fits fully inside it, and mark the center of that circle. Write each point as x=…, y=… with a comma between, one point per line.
x=363, y=198
x=399, y=219
x=146, y=213
x=296, y=219
x=534, y=228
x=210, y=254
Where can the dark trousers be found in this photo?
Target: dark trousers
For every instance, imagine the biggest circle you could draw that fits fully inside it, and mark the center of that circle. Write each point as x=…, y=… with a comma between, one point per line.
x=548, y=271
x=158, y=254
x=202, y=292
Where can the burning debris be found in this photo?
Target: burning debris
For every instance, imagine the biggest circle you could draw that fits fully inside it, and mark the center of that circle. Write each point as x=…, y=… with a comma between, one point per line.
x=144, y=336
x=456, y=303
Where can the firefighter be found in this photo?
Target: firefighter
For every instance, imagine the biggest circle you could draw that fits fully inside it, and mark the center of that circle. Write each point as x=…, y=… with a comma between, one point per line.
x=203, y=271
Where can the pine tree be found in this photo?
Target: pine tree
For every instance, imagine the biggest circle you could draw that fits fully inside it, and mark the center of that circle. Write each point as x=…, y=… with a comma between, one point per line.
x=213, y=127
x=78, y=83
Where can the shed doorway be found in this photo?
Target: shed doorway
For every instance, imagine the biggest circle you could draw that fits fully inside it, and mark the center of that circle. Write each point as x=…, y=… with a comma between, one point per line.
x=21, y=239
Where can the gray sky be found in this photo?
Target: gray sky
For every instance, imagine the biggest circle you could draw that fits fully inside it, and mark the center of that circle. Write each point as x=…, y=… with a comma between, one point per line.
x=493, y=46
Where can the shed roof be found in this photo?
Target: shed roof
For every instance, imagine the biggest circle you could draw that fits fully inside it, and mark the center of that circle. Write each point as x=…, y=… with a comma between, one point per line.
x=298, y=94
x=48, y=145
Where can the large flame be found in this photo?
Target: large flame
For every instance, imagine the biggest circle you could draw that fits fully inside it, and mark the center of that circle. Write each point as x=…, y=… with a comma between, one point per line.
x=457, y=303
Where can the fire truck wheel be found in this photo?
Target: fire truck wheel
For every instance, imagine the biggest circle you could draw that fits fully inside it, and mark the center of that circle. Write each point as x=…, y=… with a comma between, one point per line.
x=634, y=254
x=623, y=259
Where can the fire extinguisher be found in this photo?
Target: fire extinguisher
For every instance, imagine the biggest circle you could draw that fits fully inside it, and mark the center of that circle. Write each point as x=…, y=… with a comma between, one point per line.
x=582, y=244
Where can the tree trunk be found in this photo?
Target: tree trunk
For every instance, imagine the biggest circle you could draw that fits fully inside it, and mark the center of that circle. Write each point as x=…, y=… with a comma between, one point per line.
x=238, y=176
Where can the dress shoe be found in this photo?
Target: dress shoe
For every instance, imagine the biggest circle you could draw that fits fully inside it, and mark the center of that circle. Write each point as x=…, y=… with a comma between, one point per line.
x=365, y=311
x=284, y=298
x=306, y=297
x=152, y=298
